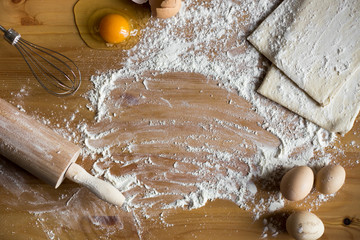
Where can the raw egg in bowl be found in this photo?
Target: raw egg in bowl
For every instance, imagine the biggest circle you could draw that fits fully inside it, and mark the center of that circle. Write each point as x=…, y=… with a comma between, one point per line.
x=110, y=24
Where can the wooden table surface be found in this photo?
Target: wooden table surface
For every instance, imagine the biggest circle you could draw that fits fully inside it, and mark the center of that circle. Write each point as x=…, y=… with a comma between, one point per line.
x=50, y=23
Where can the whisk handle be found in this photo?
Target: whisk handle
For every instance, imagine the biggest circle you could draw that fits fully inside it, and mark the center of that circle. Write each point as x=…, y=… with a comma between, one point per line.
x=2, y=29
x=11, y=36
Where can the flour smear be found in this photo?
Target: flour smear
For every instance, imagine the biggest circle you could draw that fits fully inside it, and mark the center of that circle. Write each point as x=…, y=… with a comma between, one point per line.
x=206, y=38
x=209, y=38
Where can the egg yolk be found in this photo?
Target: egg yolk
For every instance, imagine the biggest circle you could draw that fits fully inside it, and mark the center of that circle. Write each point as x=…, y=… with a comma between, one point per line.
x=114, y=28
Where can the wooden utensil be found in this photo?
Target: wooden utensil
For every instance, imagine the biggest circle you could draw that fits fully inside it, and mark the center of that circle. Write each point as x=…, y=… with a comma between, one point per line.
x=46, y=154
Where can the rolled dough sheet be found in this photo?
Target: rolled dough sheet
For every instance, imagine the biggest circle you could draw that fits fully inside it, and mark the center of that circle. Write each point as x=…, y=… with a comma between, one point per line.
x=315, y=43
x=338, y=116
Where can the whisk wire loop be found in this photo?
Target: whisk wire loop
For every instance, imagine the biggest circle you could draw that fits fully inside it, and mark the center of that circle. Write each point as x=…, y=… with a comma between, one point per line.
x=55, y=72
x=38, y=61
x=36, y=67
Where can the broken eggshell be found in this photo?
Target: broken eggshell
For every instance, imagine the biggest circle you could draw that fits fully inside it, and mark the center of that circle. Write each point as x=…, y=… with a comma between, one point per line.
x=169, y=3
x=165, y=8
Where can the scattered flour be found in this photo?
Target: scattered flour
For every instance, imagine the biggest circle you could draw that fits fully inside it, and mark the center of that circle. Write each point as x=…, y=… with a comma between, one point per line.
x=207, y=38
x=193, y=42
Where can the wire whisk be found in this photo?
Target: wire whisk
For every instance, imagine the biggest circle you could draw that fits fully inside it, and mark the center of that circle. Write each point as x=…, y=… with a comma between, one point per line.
x=55, y=72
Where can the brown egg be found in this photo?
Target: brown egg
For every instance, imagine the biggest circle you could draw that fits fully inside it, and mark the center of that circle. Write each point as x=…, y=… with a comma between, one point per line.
x=330, y=179
x=297, y=183
x=165, y=8
x=304, y=226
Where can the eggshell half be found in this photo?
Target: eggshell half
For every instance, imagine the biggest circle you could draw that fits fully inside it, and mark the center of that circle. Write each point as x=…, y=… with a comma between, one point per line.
x=304, y=226
x=297, y=183
x=163, y=8
x=163, y=3
x=169, y=3
x=330, y=179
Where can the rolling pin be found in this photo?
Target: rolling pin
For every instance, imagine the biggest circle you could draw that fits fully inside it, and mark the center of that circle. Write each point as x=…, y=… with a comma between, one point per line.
x=45, y=154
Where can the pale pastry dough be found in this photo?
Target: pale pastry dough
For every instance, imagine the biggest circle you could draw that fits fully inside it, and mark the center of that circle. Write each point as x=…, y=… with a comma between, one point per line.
x=315, y=43
x=338, y=116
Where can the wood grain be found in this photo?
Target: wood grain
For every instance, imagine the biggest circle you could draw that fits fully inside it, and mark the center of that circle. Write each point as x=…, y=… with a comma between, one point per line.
x=51, y=24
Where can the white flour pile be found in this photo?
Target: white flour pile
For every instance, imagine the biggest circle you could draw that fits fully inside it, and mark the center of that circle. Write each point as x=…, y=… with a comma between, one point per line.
x=208, y=38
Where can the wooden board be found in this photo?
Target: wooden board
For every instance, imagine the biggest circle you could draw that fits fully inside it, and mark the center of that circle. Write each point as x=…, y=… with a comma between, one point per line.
x=50, y=23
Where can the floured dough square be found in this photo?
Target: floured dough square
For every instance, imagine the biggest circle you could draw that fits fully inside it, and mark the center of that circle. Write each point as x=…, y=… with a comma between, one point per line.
x=315, y=43
x=337, y=116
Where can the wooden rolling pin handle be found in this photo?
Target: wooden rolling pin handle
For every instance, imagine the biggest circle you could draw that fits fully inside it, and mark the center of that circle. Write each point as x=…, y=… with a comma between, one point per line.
x=100, y=188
